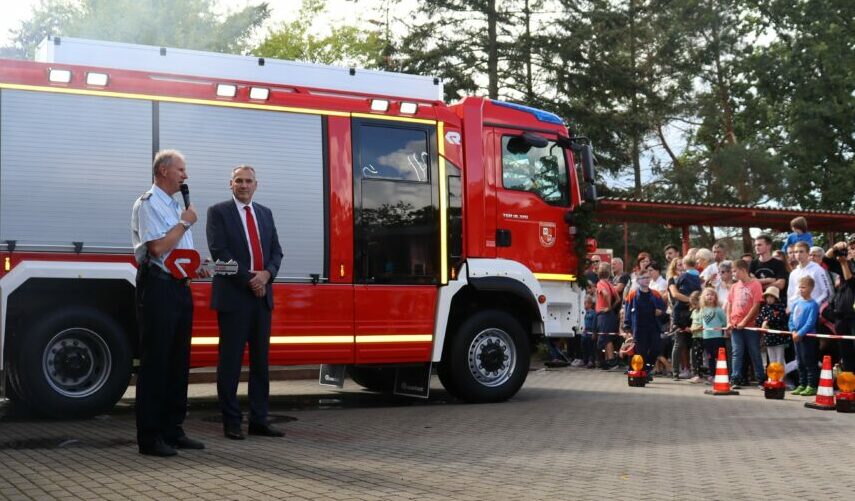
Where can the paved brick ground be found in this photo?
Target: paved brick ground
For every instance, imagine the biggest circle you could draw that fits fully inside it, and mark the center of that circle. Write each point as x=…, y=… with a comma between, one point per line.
x=569, y=434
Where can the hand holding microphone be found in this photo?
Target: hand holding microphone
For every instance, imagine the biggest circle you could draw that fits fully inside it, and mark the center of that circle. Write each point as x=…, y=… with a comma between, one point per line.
x=189, y=213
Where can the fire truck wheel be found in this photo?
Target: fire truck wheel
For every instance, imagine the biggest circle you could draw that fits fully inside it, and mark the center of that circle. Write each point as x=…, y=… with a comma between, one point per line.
x=380, y=379
x=74, y=362
x=488, y=358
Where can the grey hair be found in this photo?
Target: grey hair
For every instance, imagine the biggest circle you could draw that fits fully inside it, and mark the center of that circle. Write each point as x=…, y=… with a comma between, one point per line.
x=164, y=158
x=817, y=248
x=704, y=254
x=243, y=167
x=726, y=265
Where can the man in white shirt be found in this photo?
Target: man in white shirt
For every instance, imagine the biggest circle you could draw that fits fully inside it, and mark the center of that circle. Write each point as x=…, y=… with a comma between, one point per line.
x=807, y=268
x=710, y=275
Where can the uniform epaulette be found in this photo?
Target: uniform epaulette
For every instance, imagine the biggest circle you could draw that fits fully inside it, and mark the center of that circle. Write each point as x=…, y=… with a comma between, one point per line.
x=146, y=195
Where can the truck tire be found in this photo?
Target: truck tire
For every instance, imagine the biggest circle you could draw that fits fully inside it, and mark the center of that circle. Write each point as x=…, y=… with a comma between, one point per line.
x=488, y=358
x=380, y=379
x=75, y=362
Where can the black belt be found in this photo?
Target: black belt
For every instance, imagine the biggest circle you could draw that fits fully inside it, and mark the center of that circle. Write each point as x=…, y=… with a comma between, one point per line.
x=156, y=272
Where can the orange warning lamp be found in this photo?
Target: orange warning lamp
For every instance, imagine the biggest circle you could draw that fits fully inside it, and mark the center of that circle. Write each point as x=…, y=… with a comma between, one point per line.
x=775, y=371
x=846, y=382
x=637, y=363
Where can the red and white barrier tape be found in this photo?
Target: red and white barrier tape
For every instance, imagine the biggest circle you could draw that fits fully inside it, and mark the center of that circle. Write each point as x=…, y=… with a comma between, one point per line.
x=721, y=329
x=811, y=334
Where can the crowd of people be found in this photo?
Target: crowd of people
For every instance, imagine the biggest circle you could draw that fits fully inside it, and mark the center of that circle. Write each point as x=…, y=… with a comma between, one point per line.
x=762, y=307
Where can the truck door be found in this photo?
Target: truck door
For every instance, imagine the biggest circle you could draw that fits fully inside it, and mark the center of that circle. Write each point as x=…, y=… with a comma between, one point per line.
x=533, y=194
x=396, y=240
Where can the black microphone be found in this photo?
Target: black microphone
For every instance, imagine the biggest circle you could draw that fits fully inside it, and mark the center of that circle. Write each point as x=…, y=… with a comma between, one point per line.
x=185, y=192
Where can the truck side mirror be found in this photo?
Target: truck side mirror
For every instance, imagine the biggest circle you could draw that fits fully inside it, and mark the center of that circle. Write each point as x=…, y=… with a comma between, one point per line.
x=587, y=163
x=524, y=142
x=591, y=193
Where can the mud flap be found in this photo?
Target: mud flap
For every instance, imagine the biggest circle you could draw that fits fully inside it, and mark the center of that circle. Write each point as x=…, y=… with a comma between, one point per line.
x=413, y=381
x=332, y=375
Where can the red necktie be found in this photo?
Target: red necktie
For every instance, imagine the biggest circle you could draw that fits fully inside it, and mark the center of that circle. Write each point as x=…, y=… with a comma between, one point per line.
x=254, y=244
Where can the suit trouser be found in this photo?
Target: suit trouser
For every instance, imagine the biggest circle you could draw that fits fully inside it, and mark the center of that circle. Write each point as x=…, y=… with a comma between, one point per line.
x=166, y=318
x=249, y=325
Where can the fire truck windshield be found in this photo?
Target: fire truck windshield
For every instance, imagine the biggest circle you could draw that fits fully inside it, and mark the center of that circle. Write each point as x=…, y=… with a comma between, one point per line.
x=542, y=171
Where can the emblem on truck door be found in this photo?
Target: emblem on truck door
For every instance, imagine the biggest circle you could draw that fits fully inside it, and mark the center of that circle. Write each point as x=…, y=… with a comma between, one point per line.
x=452, y=137
x=547, y=234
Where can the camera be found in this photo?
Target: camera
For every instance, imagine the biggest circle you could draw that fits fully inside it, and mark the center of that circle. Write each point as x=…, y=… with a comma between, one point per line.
x=839, y=252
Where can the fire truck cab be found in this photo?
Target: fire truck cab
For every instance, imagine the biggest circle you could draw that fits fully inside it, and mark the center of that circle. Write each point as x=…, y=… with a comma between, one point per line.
x=417, y=235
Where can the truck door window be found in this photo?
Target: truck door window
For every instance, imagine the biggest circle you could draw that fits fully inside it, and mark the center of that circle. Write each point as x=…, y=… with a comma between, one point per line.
x=397, y=221
x=393, y=153
x=542, y=171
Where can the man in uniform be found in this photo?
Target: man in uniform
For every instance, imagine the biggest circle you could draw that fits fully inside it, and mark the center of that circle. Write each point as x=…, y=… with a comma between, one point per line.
x=164, y=309
x=242, y=230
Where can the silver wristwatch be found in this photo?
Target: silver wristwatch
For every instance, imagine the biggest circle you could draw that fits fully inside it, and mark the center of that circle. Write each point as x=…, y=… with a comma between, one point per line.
x=185, y=224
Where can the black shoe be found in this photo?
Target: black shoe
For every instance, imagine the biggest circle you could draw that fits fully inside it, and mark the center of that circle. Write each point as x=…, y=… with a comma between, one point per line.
x=265, y=430
x=185, y=442
x=157, y=448
x=233, y=432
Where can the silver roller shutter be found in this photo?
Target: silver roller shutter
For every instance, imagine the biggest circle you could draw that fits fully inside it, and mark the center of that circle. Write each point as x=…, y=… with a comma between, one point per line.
x=71, y=168
x=286, y=150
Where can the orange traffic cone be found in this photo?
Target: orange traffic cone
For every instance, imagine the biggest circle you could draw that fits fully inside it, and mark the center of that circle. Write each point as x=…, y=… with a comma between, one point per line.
x=721, y=382
x=825, y=392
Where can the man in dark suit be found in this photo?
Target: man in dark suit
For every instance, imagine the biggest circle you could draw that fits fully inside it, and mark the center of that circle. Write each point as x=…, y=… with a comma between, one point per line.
x=243, y=230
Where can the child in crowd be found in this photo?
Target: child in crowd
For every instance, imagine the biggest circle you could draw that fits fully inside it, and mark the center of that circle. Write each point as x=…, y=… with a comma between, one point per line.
x=743, y=304
x=588, y=355
x=800, y=233
x=608, y=298
x=643, y=308
x=713, y=321
x=697, y=344
x=679, y=290
x=554, y=351
x=805, y=312
x=773, y=315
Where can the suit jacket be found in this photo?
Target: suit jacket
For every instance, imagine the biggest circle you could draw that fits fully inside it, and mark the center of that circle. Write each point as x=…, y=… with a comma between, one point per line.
x=227, y=240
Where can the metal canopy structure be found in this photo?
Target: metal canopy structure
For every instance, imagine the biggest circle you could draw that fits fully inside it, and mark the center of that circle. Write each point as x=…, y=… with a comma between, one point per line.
x=682, y=215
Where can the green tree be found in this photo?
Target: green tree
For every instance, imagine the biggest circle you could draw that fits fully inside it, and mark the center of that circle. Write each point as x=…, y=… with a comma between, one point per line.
x=726, y=159
x=806, y=76
x=189, y=24
x=466, y=42
x=296, y=41
x=619, y=71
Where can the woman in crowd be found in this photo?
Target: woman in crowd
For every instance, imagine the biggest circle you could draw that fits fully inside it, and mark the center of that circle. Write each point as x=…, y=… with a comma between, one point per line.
x=607, y=321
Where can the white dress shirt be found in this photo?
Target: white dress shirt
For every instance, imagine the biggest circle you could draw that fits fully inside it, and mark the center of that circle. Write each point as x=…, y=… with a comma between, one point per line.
x=240, y=207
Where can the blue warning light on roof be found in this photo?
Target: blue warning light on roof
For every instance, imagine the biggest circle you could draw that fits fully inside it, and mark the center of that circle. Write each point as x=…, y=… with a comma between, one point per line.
x=543, y=116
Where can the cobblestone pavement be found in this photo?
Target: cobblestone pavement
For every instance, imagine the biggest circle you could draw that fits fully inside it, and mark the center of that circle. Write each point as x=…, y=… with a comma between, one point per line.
x=568, y=434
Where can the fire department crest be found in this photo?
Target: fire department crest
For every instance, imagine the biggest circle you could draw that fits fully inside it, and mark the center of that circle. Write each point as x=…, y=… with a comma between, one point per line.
x=547, y=234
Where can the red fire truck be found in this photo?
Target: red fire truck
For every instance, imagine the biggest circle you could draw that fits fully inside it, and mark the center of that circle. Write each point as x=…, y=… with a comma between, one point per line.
x=417, y=235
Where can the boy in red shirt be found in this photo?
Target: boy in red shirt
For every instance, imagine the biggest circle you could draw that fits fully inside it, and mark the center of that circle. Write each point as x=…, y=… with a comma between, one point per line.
x=743, y=304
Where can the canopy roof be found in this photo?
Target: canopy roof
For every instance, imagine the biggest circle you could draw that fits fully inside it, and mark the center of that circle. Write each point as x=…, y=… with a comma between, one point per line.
x=683, y=214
